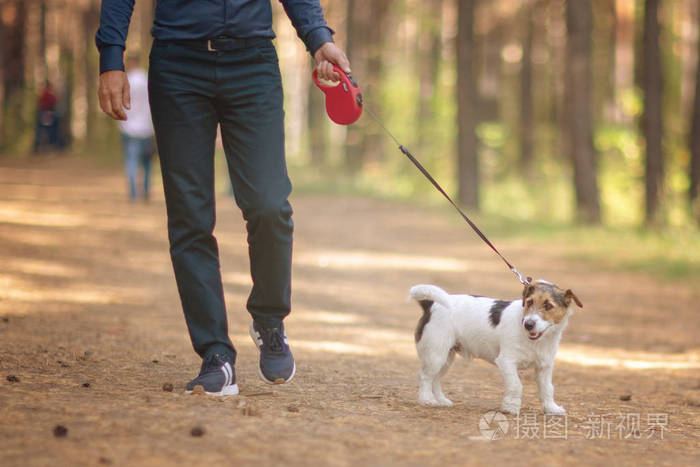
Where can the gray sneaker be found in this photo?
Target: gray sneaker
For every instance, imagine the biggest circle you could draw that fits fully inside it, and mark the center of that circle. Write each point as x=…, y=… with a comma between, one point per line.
x=217, y=377
x=276, y=361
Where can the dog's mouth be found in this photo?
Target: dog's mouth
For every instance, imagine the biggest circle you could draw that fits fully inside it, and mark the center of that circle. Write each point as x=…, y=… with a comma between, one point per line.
x=535, y=335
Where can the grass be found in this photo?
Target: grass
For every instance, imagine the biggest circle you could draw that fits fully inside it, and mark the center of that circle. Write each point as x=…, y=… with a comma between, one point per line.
x=667, y=254
x=510, y=210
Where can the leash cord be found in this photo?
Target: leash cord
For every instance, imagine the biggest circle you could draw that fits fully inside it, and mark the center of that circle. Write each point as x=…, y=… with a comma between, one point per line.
x=437, y=186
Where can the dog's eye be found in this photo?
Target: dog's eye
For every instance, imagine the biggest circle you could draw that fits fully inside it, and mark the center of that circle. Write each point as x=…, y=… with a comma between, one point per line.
x=548, y=306
x=530, y=302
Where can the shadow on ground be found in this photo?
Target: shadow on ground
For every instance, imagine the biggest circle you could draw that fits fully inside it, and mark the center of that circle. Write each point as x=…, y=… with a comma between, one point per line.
x=91, y=330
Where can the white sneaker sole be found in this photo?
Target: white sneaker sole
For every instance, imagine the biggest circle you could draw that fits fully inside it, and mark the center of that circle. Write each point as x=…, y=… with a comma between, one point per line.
x=278, y=380
x=230, y=390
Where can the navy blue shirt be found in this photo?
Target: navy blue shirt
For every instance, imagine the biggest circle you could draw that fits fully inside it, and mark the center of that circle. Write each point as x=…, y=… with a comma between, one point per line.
x=207, y=19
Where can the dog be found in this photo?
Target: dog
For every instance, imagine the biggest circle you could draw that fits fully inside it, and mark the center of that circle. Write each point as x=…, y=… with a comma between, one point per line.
x=510, y=334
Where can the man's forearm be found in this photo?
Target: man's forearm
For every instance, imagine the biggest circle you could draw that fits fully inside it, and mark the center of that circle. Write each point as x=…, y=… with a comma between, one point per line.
x=110, y=39
x=307, y=19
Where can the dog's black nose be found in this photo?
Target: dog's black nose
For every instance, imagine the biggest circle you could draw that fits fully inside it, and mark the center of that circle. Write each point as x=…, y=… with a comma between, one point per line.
x=529, y=324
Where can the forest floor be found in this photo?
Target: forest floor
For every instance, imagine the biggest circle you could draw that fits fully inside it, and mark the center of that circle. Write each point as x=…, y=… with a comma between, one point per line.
x=91, y=330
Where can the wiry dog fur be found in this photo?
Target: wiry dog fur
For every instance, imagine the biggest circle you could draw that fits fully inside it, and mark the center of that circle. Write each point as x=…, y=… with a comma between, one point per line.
x=510, y=334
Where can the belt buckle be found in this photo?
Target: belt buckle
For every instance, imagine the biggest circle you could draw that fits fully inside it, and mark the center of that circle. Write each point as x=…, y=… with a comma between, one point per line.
x=209, y=46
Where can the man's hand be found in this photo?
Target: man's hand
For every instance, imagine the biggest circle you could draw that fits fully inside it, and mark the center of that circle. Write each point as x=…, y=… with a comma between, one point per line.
x=114, y=94
x=328, y=55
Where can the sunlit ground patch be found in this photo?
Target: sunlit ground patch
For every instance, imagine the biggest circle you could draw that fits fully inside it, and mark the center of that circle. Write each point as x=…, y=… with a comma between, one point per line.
x=327, y=317
x=345, y=260
x=18, y=215
x=40, y=267
x=621, y=358
x=18, y=296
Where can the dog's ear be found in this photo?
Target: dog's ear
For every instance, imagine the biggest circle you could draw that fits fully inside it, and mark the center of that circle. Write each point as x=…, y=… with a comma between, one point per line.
x=527, y=291
x=569, y=295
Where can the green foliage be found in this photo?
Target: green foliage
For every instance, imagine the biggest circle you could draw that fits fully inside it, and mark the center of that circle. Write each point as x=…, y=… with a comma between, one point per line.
x=537, y=213
x=670, y=254
x=621, y=175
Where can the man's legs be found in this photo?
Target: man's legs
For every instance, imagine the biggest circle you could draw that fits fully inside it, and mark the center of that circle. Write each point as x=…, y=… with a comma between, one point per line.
x=53, y=132
x=131, y=149
x=39, y=134
x=252, y=129
x=146, y=156
x=182, y=104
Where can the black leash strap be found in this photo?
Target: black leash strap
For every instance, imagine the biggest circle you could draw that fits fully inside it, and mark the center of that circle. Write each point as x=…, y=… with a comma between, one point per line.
x=437, y=186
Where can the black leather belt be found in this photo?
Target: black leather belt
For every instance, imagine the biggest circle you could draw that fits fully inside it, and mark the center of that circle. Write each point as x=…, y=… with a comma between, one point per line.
x=224, y=43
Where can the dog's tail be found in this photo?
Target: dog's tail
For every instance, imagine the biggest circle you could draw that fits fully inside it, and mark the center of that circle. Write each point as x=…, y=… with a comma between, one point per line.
x=427, y=295
x=430, y=293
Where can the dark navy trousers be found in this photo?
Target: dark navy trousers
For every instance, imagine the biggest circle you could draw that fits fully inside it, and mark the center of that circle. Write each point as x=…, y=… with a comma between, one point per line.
x=193, y=90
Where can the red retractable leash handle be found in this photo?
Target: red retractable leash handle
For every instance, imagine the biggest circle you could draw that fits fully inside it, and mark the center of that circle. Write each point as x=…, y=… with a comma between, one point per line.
x=343, y=99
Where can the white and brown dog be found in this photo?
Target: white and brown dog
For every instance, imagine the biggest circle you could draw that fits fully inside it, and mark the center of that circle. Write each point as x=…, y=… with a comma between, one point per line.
x=510, y=334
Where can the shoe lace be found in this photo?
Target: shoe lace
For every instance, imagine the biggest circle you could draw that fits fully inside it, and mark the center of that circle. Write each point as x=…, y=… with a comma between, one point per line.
x=212, y=361
x=274, y=340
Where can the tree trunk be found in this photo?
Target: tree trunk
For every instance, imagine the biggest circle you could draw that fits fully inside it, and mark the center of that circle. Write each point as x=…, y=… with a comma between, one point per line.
x=527, y=114
x=147, y=15
x=608, y=69
x=378, y=15
x=428, y=52
x=13, y=47
x=487, y=53
x=2, y=78
x=467, y=154
x=91, y=20
x=355, y=49
x=625, y=63
x=317, y=126
x=694, y=189
x=14, y=17
x=365, y=40
x=579, y=98
x=42, y=41
x=652, y=120
x=67, y=65
x=556, y=76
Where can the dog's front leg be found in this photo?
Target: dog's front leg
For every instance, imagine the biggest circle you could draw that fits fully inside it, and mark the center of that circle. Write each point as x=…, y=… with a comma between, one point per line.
x=514, y=388
x=543, y=372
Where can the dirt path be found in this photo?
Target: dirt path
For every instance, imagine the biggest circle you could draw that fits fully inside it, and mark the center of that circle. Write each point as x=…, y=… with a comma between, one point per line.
x=90, y=326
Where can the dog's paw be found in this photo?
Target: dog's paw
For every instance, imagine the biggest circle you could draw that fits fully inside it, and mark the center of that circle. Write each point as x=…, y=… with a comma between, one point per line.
x=428, y=402
x=511, y=406
x=444, y=402
x=433, y=403
x=554, y=409
x=426, y=399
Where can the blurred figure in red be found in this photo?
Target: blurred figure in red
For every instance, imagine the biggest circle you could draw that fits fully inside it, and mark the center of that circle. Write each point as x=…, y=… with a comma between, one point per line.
x=47, y=119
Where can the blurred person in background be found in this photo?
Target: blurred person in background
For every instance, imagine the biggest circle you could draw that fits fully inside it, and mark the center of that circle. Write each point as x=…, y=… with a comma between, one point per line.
x=137, y=131
x=47, y=119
